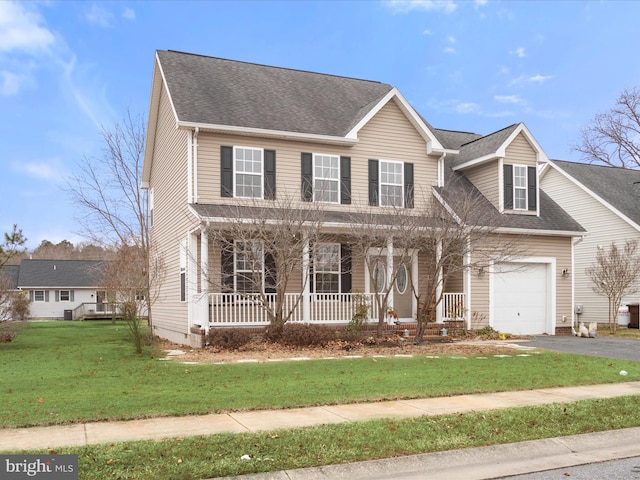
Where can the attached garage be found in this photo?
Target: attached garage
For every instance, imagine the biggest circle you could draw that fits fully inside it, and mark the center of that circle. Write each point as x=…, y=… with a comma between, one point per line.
x=522, y=296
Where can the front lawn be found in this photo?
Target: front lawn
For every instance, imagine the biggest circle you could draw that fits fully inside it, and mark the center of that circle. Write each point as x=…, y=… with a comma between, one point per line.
x=66, y=372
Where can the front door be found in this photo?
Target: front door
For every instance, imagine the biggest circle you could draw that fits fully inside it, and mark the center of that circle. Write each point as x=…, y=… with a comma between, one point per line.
x=402, y=291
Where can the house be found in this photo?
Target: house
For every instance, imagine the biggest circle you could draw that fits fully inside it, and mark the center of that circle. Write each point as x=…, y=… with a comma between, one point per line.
x=227, y=140
x=63, y=289
x=605, y=200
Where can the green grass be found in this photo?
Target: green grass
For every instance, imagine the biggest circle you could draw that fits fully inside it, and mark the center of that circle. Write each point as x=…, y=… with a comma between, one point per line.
x=66, y=372
x=220, y=455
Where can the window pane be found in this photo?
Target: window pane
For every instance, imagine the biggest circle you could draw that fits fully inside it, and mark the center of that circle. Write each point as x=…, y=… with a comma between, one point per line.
x=327, y=283
x=401, y=279
x=380, y=277
x=391, y=184
x=326, y=174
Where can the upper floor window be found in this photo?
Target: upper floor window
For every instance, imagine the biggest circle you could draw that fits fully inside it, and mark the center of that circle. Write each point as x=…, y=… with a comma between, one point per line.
x=247, y=172
x=520, y=187
x=390, y=183
x=326, y=176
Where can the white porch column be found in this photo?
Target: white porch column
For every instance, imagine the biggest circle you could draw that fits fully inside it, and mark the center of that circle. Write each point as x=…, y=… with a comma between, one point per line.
x=440, y=307
x=306, y=292
x=192, y=279
x=204, y=277
x=390, y=272
x=466, y=286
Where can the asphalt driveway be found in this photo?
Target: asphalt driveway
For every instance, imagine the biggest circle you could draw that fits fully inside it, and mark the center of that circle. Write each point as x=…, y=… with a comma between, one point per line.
x=610, y=347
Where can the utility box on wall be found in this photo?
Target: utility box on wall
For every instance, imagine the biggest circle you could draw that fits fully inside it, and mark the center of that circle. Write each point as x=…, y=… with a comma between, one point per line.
x=634, y=310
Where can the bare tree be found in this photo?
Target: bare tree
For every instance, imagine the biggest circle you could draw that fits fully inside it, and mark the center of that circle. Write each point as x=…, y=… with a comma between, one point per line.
x=453, y=230
x=613, y=137
x=262, y=251
x=128, y=281
x=614, y=274
x=107, y=189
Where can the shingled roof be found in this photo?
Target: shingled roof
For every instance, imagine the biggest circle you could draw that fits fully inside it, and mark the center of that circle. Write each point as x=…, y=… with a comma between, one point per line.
x=216, y=91
x=59, y=273
x=619, y=187
x=552, y=217
x=483, y=146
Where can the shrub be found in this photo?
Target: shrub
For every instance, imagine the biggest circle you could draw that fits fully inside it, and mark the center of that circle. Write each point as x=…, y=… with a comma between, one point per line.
x=300, y=335
x=229, y=338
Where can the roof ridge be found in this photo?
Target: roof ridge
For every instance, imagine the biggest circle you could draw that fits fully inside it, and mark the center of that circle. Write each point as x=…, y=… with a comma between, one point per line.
x=275, y=67
x=490, y=134
x=456, y=131
x=617, y=167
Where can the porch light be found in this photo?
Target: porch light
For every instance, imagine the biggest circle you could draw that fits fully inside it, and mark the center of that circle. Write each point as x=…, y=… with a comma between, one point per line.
x=565, y=272
x=481, y=272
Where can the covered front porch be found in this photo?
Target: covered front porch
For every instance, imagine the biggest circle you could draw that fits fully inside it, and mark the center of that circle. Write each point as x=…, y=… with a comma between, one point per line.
x=242, y=310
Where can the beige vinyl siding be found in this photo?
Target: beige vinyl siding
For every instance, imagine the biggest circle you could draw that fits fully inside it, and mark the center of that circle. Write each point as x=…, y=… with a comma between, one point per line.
x=486, y=178
x=168, y=180
x=602, y=225
x=389, y=136
x=529, y=246
x=520, y=152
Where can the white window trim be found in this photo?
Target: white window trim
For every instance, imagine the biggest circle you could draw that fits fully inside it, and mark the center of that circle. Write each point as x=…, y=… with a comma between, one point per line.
x=183, y=271
x=338, y=272
x=314, y=177
x=44, y=296
x=525, y=188
x=236, y=271
x=380, y=183
x=68, y=295
x=235, y=172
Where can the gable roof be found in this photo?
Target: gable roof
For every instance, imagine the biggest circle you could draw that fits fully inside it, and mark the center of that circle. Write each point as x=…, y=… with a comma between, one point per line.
x=493, y=146
x=230, y=96
x=616, y=187
x=453, y=139
x=59, y=273
x=552, y=220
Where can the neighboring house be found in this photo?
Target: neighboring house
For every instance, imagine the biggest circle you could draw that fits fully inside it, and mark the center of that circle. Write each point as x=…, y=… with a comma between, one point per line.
x=226, y=133
x=606, y=201
x=63, y=289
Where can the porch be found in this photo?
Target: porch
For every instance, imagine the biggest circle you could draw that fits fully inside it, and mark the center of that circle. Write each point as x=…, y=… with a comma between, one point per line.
x=236, y=310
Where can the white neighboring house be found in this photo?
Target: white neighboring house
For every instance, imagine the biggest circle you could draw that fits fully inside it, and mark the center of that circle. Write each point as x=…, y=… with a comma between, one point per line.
x=606, y=202
x=63, y=289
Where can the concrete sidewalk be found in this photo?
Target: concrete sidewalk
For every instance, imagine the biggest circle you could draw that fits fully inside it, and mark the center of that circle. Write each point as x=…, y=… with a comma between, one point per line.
x=261, y=420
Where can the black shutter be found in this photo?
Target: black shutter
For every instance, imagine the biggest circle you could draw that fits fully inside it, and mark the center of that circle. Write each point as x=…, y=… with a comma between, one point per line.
x=345, y=268
x=345, y=180
x=226, y=171
x=532, y=181
x=306, y=169
x=408, y=185
x=373, y=183
x=227, y=267
x=508, y=187
x=270, y=275
x=269, y=174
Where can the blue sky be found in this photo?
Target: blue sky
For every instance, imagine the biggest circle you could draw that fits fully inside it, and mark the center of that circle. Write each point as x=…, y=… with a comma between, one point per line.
x=69, y=68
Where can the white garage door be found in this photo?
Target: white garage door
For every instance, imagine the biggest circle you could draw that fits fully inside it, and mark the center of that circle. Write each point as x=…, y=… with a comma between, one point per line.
x=520, y=298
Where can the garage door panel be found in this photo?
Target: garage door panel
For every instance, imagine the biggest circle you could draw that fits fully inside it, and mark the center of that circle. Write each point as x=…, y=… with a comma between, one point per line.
x=520, y=303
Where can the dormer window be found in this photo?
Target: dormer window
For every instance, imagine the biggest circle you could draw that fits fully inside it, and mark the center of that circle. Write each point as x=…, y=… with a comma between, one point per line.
x=520, y=187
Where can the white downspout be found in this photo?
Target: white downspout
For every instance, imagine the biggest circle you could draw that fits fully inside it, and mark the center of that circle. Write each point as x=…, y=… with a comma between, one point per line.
x=306, y=292
x=195, y=165
x=441, y=169
x=575, y=241
x=439, y=311
x=389, y=273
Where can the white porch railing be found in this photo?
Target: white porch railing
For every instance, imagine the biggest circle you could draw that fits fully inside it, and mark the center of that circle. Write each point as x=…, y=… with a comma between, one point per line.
x=453, y=306
x=232, y=309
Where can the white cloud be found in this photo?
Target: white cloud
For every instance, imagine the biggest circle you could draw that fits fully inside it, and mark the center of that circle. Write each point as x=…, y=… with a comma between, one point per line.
x=403, y=6
x=525, y=79
x=427, y=32
x=513, y=99
x=44, y=170
x=99, y=15
x=22, y=30
x=450, y=50
x=518, y=52
x=10, y=83
x=540, y=78
x=467, y=107
x=128, y=14
x=479, y=3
